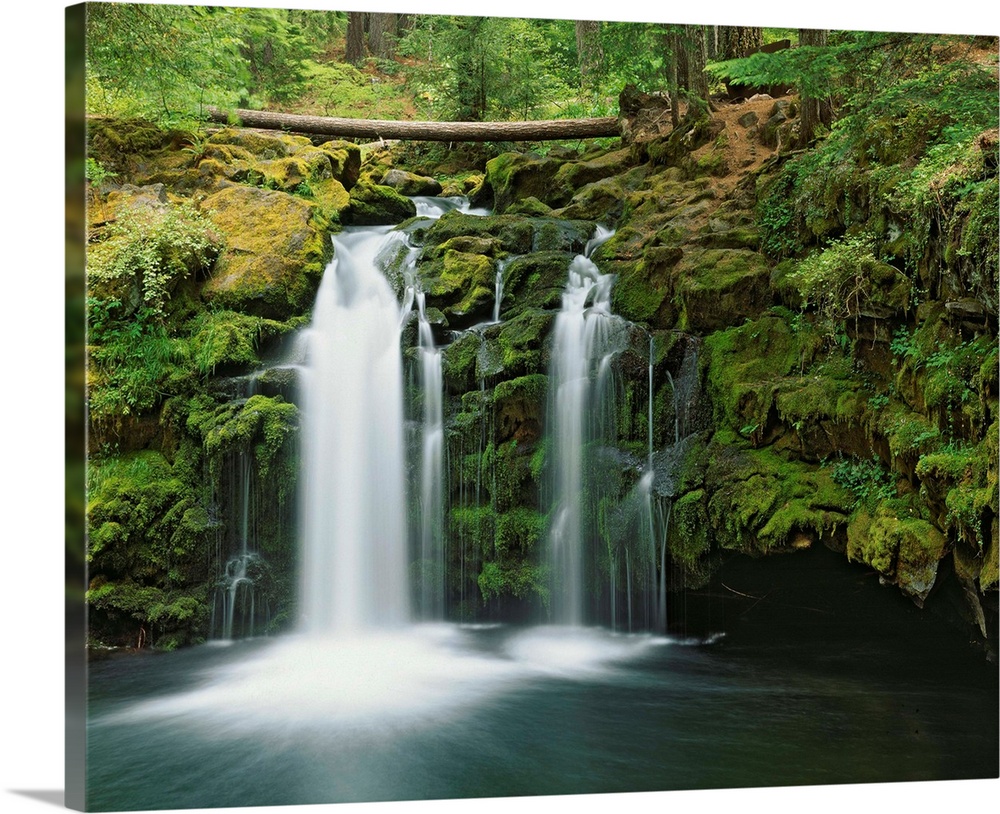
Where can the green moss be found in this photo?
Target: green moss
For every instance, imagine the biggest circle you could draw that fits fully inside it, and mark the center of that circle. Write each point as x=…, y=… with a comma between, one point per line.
x=264, y=146
x=473, y=526
x=759, y=501
x=114, y=142
x=520, y=341
x=225, y=338
x=518, y=531
x=519, y=579
x=964, y=476
x=908, y=432
x=277, y=246
x=530, y=206
x=514, y=233
x=904, y=549
x=508, y=475
x=467, y=280
x=639, y=293
x=458, y=361
x=745, y=365
x=714, y=288
x=345, y=161
x=373, y=204
x=261, y=424
x=145, y=553
x=515, y=176
x=689, y=540
x=535, y=280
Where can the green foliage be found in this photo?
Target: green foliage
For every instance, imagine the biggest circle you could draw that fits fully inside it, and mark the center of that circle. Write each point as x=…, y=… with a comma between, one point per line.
x=490, y=68
x=97, y=173
x=340, y=89
x=868, y=481
x=811, y=69
x=131, y=369
x=275, y=49
x=521, y=580
x=146, y=252
x=162, y=61
x=847, y=278
x=220, y=338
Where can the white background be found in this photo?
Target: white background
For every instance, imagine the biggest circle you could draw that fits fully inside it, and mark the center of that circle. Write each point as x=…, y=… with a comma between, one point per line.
x=31, y=416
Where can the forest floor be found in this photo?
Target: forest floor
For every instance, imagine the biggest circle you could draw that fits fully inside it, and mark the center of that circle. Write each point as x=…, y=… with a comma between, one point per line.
x=743, y=152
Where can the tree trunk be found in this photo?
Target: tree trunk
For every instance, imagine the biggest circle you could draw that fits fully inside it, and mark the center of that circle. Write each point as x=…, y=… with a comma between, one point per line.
x=547, y=130
x=589, y=51
x=698, y=99
x=737, y=42
x=672, y=45
x=815, y=110
x=355, y=51
x=382, y=34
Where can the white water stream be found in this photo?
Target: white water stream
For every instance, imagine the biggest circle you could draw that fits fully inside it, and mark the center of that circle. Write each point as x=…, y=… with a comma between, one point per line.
x=354, y=537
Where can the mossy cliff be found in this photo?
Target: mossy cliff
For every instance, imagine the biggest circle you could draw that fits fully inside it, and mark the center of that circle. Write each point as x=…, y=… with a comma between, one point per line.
x=812, y=332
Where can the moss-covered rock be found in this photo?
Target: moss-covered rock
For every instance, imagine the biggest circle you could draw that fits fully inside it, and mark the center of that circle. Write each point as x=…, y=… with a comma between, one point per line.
x=534, y=280
x=515, y=346
x=147, y=536
x=277, y=246
x=375, y=204
x=715, y=288
x=515, y=176
x=745, y=364
x=519, y=408
x=345, y=161
x=410, y=183
x=263, y=146
x=461, y=285
x=762, y=502
x=905, y=550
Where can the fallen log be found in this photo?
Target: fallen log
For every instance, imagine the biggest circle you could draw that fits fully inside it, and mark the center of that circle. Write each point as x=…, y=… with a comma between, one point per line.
x=546, y=130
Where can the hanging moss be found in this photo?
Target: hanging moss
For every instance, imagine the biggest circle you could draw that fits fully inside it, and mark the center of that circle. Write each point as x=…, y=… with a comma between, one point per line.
x=260, y=424
x=147, y=534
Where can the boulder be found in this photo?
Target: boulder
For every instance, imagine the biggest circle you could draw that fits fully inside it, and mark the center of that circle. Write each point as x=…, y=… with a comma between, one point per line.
x=409, y=183
x=276, y=247
x=376, y=204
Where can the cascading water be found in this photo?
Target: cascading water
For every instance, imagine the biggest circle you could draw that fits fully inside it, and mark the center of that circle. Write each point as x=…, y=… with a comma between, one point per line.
x=431, y=470
x=657, y=482
x=236, y=589
x=498, y=287
x=582, y=350
x=354, y=556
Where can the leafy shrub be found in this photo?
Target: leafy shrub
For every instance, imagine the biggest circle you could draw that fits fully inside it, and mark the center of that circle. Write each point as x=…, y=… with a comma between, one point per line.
x=868, y=481
x=145, y=254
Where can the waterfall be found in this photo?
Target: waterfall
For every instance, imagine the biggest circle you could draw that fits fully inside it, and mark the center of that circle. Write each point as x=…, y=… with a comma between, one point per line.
x=432, y=558
x=498, y=289
x=354, y=558
x=662, y=467
x=239, y=610
x=585, y=339
x=236, y=588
